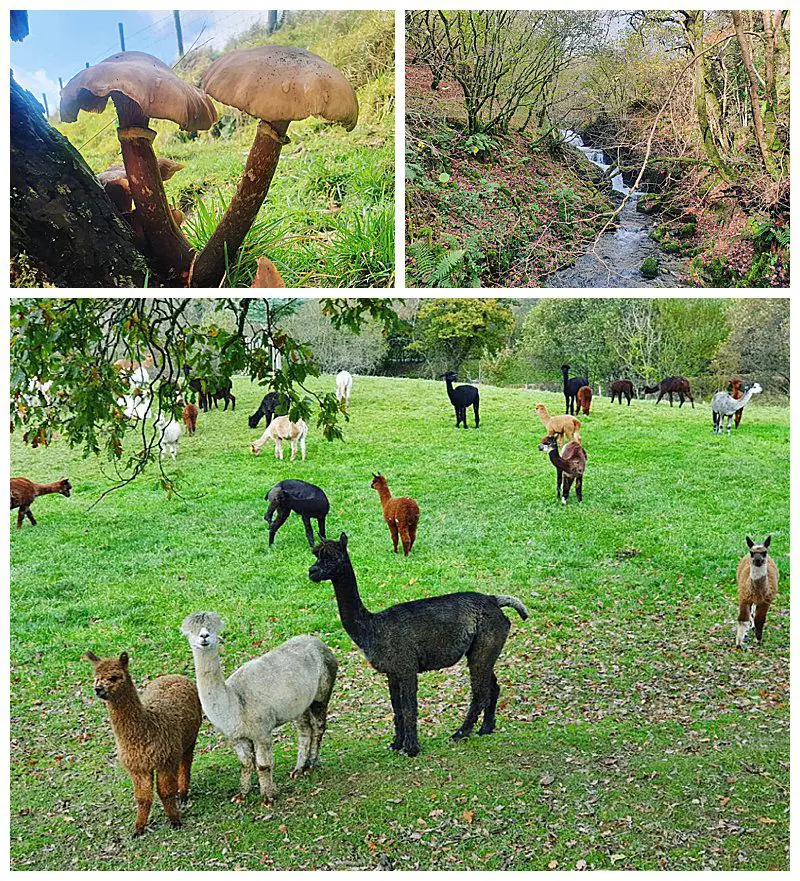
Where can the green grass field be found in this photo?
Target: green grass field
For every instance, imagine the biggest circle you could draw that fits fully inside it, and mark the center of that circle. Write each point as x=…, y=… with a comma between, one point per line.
x=630, y=732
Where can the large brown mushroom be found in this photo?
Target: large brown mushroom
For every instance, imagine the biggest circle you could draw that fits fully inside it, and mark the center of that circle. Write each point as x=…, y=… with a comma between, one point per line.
x=275, y=84
x=143, y=88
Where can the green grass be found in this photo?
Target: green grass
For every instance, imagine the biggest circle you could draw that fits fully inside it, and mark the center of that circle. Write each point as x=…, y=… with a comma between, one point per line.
x=630, y=733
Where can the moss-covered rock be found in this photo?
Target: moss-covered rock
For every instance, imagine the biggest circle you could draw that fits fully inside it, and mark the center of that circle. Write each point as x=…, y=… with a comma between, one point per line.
x=649, y=267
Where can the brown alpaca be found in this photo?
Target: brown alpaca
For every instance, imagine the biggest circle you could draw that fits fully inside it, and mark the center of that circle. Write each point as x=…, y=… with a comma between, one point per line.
x=736, y=394
x=570, y=466
x=24, y=492
x=155, y=733
x=622, y=387
x=565, y=427
x=401, y=514
x=757, y=578
x=190, y=418
x=584, y=398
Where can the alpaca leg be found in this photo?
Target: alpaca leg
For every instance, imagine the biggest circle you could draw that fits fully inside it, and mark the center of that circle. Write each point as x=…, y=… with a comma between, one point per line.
x=487, y=727
x=304, y=742
x=475, y=408
x=481, y=657
x=167, y=786
x=29, y=515
x=321, y=525
x=281, y=516
x=579, y=488
x=559, y=478
x=741, y=626
x=293, y=443
x=303, y=448
x=397, y=709
x=318, y=715
x=405, y=538
x=20, y=517
x=682, y=400
x=567, y=484
x=412, y=535
x=759, y=619
x=279, y=450
x=408, y=704
x=309, y=530
x=394, y=533
x=264, y=770
x=185, y=775
x=143, y=792
x=247, y=759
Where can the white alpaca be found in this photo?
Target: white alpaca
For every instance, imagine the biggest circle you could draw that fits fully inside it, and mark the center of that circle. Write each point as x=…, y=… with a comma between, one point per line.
x=722, y=405
x=344, y=385
x=139, y=378
x=279, y=430
x=293, y=682
x=169, y=435
x=135, y=407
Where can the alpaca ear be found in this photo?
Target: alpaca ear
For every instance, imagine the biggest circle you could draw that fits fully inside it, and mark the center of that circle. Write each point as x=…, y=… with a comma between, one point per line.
x=749, y=541
x=90, y=656
x=767, y=540
x=343, y=540
x=123, y=659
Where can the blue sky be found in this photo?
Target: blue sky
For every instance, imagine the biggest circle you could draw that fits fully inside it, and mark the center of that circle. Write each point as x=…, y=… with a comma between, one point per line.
x=60, y=43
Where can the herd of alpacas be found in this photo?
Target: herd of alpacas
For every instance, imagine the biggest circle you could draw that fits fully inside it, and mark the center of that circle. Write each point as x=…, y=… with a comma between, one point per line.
x=156, y=728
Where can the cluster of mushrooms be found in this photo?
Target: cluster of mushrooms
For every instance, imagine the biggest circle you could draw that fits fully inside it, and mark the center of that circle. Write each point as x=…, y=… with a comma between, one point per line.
x=275, y=84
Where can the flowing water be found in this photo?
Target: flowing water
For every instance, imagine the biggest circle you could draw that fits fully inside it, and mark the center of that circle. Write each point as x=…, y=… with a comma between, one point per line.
x=616, y=259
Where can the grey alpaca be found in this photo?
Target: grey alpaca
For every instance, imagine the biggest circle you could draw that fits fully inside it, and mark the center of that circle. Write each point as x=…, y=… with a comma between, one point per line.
x=723, y=404
x=428, y=634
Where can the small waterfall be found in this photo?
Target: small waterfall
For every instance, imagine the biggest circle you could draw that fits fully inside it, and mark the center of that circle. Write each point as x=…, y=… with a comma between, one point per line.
x=597, y=157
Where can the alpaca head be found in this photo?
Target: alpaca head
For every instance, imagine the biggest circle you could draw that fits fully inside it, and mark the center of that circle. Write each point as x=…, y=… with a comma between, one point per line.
x=111, y=675
x=379, y=482
x=565, y=369
x=548, y=444
x=755, y=389
x=542, y=410
x=64, y=487
x=758, y=556
x=253, y=420
x=450, y=375
x=331, y=559
x=202, y=629
x=256, y=451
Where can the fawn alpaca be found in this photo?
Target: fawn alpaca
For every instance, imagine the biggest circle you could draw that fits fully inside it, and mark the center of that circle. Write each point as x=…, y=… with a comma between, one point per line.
x=565, y=428
x=24, y=492
x=401, y=514
x=155, y=733
x=757, y=578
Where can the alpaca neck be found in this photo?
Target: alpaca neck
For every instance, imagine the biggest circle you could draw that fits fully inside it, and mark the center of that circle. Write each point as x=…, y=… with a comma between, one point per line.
x=353, y=614
x=384, y=495
x=758, y=575
x=45, y=489
x=449, y=383
x=128, y=716
x=219, y=704
x=558, y=461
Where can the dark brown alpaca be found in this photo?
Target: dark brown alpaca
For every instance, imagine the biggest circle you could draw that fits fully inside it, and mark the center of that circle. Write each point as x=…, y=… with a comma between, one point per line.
x=678, y=385
x=584, y=399
x=737, y=394
x=569, y=466
x=190, y=412
x=24, y=492
x=401, y=514
x=155, y=733
x=622, y=387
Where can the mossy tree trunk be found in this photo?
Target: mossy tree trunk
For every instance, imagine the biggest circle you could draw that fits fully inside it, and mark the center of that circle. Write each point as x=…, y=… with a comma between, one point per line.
x=63, y=226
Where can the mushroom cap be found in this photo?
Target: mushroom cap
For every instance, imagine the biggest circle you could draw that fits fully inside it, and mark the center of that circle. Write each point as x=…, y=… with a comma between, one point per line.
x=144, y=79
x=282, y=83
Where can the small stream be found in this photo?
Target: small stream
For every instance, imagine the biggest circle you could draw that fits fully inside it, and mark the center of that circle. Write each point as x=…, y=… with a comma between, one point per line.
x=616, y=260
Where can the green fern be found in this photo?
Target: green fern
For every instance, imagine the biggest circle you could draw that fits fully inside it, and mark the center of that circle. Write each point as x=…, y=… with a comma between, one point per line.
x=449, y=262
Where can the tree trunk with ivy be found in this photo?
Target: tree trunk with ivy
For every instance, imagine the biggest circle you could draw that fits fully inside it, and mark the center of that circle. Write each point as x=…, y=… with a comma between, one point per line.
x=64, y=229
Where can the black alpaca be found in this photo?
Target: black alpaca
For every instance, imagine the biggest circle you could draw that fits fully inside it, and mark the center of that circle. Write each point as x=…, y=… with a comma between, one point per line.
x=622, y=387
x=266, y=409
x=304, y=498
x=571, y=387
x=570, y=466
x=205, y=394
x=429, y=634
x=461, y=397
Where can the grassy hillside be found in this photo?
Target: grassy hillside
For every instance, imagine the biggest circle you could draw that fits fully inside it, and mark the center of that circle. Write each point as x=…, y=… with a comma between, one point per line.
x=328, y=220
x=630, y=732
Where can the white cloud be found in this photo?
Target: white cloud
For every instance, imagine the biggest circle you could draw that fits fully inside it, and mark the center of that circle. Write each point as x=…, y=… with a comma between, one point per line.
x=37, y=83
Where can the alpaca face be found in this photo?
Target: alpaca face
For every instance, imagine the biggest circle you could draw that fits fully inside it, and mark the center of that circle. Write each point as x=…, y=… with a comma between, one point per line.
x=378, y=480
x=202, y=630
x=758, y=557
x=548, y=444
x=331, y=557
x=65, y=488
x=110, y=675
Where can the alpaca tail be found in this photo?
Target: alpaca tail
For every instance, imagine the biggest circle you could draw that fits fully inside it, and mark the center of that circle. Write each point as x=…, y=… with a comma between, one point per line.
x=503, y=600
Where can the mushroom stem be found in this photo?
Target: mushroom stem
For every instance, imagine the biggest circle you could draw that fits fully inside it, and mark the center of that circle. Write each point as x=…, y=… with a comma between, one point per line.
x=163, y=238
x=164, y=241
x=245, y=204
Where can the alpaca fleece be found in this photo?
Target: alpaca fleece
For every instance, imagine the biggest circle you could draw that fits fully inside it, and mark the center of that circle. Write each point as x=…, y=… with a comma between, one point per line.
x=24, y=492
x=428, y=634
x=401, y=514
x=155, y=732
x=757, y=581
